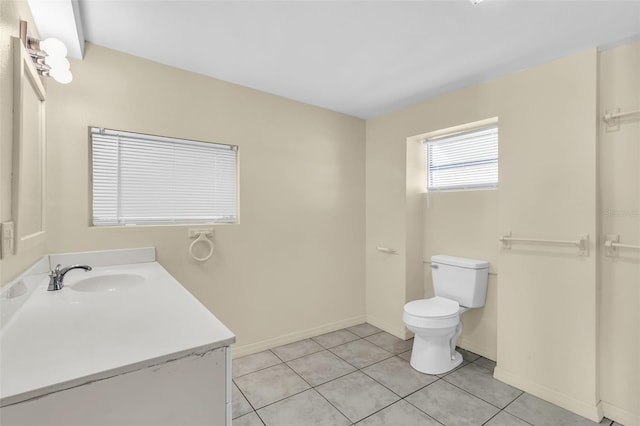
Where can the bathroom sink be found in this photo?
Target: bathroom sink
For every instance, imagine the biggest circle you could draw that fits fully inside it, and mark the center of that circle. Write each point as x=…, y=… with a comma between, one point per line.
x=111, y=282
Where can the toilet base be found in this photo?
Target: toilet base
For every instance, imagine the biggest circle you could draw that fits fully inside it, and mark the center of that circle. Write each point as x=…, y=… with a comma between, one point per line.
x=433, y=356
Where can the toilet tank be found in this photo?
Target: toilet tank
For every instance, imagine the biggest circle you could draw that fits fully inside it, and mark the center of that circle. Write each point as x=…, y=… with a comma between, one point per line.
x=461, y=279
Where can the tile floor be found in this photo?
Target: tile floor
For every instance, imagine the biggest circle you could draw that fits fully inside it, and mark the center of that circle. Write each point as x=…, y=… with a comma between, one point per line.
x=361, y=375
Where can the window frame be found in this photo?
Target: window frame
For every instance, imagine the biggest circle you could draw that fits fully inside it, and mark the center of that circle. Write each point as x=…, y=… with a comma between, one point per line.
x=150, y=137
x=457, y=131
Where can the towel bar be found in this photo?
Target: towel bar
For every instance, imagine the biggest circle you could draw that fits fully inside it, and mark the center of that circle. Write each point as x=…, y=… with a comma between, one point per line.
x=612, y=244
x=582, y=243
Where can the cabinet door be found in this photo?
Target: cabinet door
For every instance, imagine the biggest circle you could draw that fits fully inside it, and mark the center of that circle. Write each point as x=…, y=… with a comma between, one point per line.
x=187, y=391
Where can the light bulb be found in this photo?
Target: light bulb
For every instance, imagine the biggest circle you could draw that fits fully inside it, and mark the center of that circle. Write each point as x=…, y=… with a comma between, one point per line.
x=57, y=62
x=54, y=47
x=63, y=76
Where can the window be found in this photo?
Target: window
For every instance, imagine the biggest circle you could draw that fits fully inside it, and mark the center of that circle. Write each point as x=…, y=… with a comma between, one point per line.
x=142, y=179
x=462, y=161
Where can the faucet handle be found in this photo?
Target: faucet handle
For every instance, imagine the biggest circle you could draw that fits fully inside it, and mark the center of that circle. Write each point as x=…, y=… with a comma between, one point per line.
x=57, y=269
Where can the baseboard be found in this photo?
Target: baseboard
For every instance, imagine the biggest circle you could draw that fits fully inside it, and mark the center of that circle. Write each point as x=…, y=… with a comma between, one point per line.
x=477, y=349
x=400, y=332
x=251, y=348
x=591, y=412
x=620, y=415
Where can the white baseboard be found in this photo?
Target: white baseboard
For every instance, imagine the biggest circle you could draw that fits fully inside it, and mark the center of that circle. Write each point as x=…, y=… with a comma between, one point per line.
x=251, y=348
x=581, y=408
x=478, y=349
x=620, y=415
x=400, y=332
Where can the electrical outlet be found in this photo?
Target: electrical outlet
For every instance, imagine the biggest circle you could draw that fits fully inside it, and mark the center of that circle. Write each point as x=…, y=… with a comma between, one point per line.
x=7, y=239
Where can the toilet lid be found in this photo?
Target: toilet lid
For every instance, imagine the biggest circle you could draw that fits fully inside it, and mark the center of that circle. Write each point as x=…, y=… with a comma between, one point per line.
x=436, y=307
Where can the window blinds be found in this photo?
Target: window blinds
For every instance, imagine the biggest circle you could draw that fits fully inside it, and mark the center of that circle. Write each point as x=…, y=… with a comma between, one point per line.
x=143, y=179
x=467, y=160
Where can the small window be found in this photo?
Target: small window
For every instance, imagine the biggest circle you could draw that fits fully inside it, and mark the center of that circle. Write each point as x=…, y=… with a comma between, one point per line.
x=142, y=179
x=462, y=161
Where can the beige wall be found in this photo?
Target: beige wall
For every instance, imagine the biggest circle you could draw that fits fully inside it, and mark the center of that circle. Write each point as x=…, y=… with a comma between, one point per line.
x=400, y=216
x=466, y=224
x=11, y=13
x=539, y=320
x=619, y=87
x=294, y=266
x=547, y=316
x=386, y=223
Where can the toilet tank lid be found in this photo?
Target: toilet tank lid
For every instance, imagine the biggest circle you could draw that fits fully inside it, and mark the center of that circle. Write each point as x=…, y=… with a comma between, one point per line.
x=462, y=262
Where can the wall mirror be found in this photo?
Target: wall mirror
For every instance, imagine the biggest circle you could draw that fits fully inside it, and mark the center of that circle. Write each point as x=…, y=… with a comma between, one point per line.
x=28, y=199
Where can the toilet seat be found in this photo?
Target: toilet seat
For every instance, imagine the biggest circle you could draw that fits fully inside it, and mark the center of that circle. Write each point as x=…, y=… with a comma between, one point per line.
x=436, y=307
x=437, y=312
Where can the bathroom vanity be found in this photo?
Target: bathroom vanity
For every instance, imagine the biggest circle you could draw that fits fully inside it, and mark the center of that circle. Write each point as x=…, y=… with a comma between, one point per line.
x=123, y=344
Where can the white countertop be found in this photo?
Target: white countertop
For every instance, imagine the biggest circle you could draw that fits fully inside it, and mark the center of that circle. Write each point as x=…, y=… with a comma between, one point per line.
x=61, y=339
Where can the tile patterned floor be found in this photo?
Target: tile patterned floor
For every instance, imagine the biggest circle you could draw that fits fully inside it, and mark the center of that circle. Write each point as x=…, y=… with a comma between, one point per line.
x=361, y=376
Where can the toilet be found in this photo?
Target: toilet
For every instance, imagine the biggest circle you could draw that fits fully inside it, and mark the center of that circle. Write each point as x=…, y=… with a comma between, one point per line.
x=459, y=284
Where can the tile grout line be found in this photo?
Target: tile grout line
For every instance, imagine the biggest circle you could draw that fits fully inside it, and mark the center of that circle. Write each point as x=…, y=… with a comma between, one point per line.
x=259, y=369
x=248, y=402
x=378, y=382
x=402, y=398
x=301, y=356
x=250, y=412
x=377, y=411
x=311, y=387
x=392, y=355
x=391, y=390
x=343, y=343
x=491, y=418
x=481, y=399
x=423, y=387
x=361, y=370
x=274, y=402
x=514, y=415
x=479, y=358
x=418, y=408
x=321, y=395
x=506, y=412
x=282, y=361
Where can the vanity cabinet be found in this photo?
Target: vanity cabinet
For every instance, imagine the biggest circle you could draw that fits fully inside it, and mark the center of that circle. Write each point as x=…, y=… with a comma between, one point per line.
x=188, y=391
x=122, y=344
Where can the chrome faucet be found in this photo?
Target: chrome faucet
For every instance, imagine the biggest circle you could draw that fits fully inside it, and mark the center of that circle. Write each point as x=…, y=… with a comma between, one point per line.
x=57, y=275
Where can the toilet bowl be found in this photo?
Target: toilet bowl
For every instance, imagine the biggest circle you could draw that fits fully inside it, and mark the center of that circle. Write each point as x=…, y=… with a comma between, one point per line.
x=436, y=325
x=459, y=284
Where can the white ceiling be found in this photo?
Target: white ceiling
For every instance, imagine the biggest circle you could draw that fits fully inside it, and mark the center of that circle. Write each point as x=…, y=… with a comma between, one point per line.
x=60, y=19
x=363, y=58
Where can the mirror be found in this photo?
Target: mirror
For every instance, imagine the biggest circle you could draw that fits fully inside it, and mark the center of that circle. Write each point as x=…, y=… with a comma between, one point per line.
x=28, y=200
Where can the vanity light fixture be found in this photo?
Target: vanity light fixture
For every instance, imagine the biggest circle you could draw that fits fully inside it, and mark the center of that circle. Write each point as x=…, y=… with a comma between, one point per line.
x=48, y=56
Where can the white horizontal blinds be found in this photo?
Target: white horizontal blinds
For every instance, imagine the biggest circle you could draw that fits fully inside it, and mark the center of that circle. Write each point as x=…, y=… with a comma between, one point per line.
x=105, y=180
x=467, y=160
x=141, y=179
